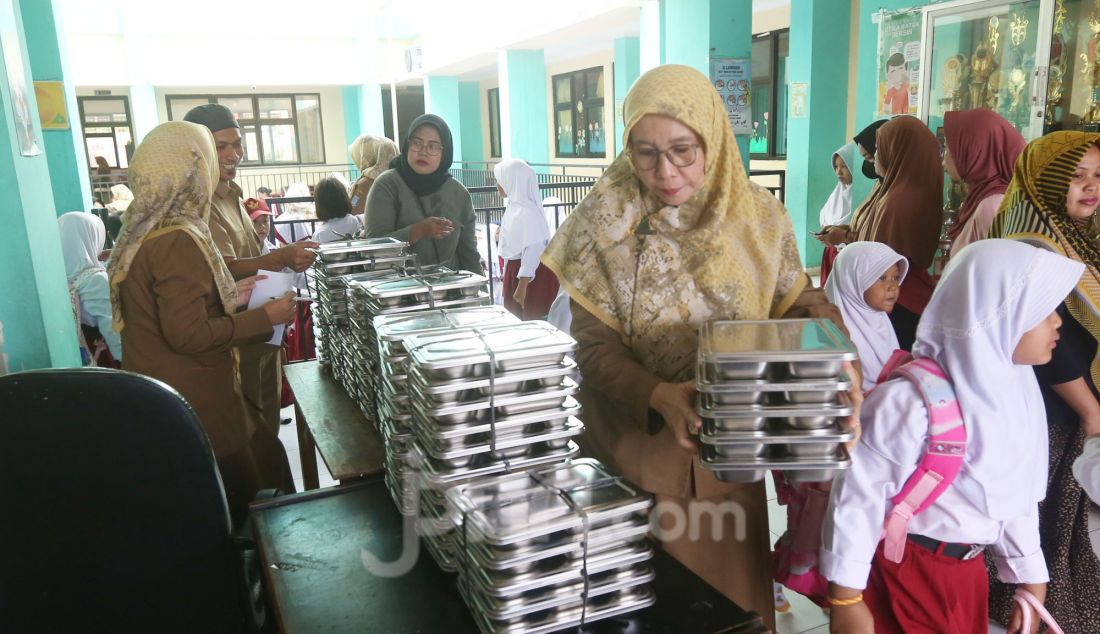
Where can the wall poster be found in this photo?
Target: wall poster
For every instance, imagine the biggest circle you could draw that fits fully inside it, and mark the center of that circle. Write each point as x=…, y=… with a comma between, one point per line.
x=732, y=78
x=899, y=36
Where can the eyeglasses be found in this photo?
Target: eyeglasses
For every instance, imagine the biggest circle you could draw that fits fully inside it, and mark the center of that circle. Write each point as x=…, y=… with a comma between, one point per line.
x=431, y=148
x=680, y=155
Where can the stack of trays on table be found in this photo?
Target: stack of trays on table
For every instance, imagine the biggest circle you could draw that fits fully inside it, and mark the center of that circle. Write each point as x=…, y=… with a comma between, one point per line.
x=388, y=380
x=485, y=401
x=415, y=290
x=551, y=548
x=334, y=261
x=771, y=397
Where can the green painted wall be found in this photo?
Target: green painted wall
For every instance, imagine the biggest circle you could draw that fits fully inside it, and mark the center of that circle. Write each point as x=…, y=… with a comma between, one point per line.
x=441, y=98
x=469, y=103
x=363, y=113
x=820, y=27
x=34, y=308
x=627, y=68
x=64, y=148
x=524, y=129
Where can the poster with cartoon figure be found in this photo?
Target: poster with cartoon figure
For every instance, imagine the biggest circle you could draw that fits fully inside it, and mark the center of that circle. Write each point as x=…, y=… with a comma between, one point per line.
x=732, y=79
x=898, y=63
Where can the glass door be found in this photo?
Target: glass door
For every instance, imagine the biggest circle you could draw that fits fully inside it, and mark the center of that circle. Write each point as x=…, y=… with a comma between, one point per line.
x=1073, y=77
x=987, y=54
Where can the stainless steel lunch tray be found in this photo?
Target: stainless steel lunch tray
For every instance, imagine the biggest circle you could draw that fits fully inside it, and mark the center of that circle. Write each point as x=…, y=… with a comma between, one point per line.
x=565, y=594
x=556, y=416
x=795, y=469
x=810, y=348
x=377, y=246
x=755, y=391
x=511, y=517
x=751, y=446
x=503, y=584
x=422, y=286
x=566, y=543
x=469, y=446
x=480, y=299
x=395, y=329
x=450, y=391
x=514, y=347
x=562, y=619
x=437, y=475
x=505, y=406
x=754, y=417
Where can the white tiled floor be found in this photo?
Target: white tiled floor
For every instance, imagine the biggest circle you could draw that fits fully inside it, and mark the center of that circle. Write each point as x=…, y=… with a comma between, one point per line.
x=803, y=617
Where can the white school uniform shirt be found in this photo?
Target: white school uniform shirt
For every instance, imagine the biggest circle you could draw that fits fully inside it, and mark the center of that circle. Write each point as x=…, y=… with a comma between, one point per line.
x=1087, y=468
x=989, y=296
x=337, y=229
x=523, y=230
x=895, y=430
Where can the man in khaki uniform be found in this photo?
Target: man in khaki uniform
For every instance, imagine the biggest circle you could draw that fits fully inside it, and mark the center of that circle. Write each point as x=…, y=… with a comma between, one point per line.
x=236, y=239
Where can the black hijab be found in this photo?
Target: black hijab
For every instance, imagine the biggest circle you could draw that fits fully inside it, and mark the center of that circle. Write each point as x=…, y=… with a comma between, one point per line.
x=867, y=140
x=424, y=184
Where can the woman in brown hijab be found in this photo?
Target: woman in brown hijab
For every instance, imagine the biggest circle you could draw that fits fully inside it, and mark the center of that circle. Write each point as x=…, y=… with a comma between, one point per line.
x=905, y=213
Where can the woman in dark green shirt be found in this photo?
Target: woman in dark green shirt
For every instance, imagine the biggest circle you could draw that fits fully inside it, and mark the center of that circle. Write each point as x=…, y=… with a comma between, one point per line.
x=417, y=200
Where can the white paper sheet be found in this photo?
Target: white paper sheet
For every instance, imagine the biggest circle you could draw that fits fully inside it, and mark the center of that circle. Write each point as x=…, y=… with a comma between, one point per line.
x=276, y=285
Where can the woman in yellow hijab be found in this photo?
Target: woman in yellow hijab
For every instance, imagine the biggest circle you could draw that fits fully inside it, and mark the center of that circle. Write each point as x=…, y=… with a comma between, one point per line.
x=372, y=155
x=1051, y=203
x=177, y=307
x=674, y=234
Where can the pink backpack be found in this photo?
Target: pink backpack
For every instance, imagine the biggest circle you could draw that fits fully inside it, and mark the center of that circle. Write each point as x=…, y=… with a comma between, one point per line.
x=796, y=551
x=943, y=457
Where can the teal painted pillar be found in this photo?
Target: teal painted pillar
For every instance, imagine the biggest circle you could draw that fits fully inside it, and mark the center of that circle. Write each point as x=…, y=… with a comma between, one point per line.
x=64, y=148
x=821, y=29
x=362, y=112
x=351, y=96
x=35, y=310
x=866, y=77
x=469, y=103
x=441, y=98
x=696, y=30
x=143, y=110
x=628, y=58
x=523, y=109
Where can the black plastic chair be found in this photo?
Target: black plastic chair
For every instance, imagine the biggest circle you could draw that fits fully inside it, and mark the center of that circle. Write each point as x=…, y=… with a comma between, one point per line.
x=112, y=512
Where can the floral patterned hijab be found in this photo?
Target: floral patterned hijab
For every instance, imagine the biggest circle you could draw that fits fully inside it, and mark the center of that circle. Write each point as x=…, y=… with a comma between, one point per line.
x=173, y=173
x=372, y=154
x=728, y=252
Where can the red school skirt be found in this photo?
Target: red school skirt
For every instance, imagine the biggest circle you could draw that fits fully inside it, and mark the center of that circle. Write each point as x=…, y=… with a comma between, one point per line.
x=540, y=292
x=928, y=593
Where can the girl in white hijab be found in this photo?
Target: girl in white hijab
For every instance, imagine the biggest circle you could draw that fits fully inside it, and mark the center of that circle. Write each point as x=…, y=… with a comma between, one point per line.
x=121, y=197
x=991, y=317
x=838, y=208
x=529, y=287
x=864, y=285
x=82, y=238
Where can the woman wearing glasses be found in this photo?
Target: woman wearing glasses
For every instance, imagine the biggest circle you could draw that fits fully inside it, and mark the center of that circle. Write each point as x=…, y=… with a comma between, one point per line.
x=417, y=200
x=674, y=234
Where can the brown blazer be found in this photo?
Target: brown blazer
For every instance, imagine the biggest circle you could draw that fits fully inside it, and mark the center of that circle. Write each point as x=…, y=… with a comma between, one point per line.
x=176, y=330
x=621, y=430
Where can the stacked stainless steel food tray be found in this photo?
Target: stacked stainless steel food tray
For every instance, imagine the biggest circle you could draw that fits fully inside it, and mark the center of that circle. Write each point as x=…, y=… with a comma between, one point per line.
x=487, y=401
x=771, y=396
x=326, y=278
x=365, y=304
x=388, y=381
x=551, y=548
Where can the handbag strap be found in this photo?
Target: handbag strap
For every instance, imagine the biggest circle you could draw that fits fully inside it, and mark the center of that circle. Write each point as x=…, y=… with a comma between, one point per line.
x=1028, y=602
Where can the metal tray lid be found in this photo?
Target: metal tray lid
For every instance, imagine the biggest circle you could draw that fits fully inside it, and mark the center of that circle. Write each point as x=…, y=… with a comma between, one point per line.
x=568, y=387
x=741, y=386
x=836, y=407
x=435, y=475
x=569, y=408
x=773, y=340
x=427, y=386
x=436, y=449
x=481, y=299
x=510, y=341
x=397, y=327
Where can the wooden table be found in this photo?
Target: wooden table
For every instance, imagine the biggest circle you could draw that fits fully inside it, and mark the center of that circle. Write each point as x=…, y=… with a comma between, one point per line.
x=330, y=421
x=311, y=548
